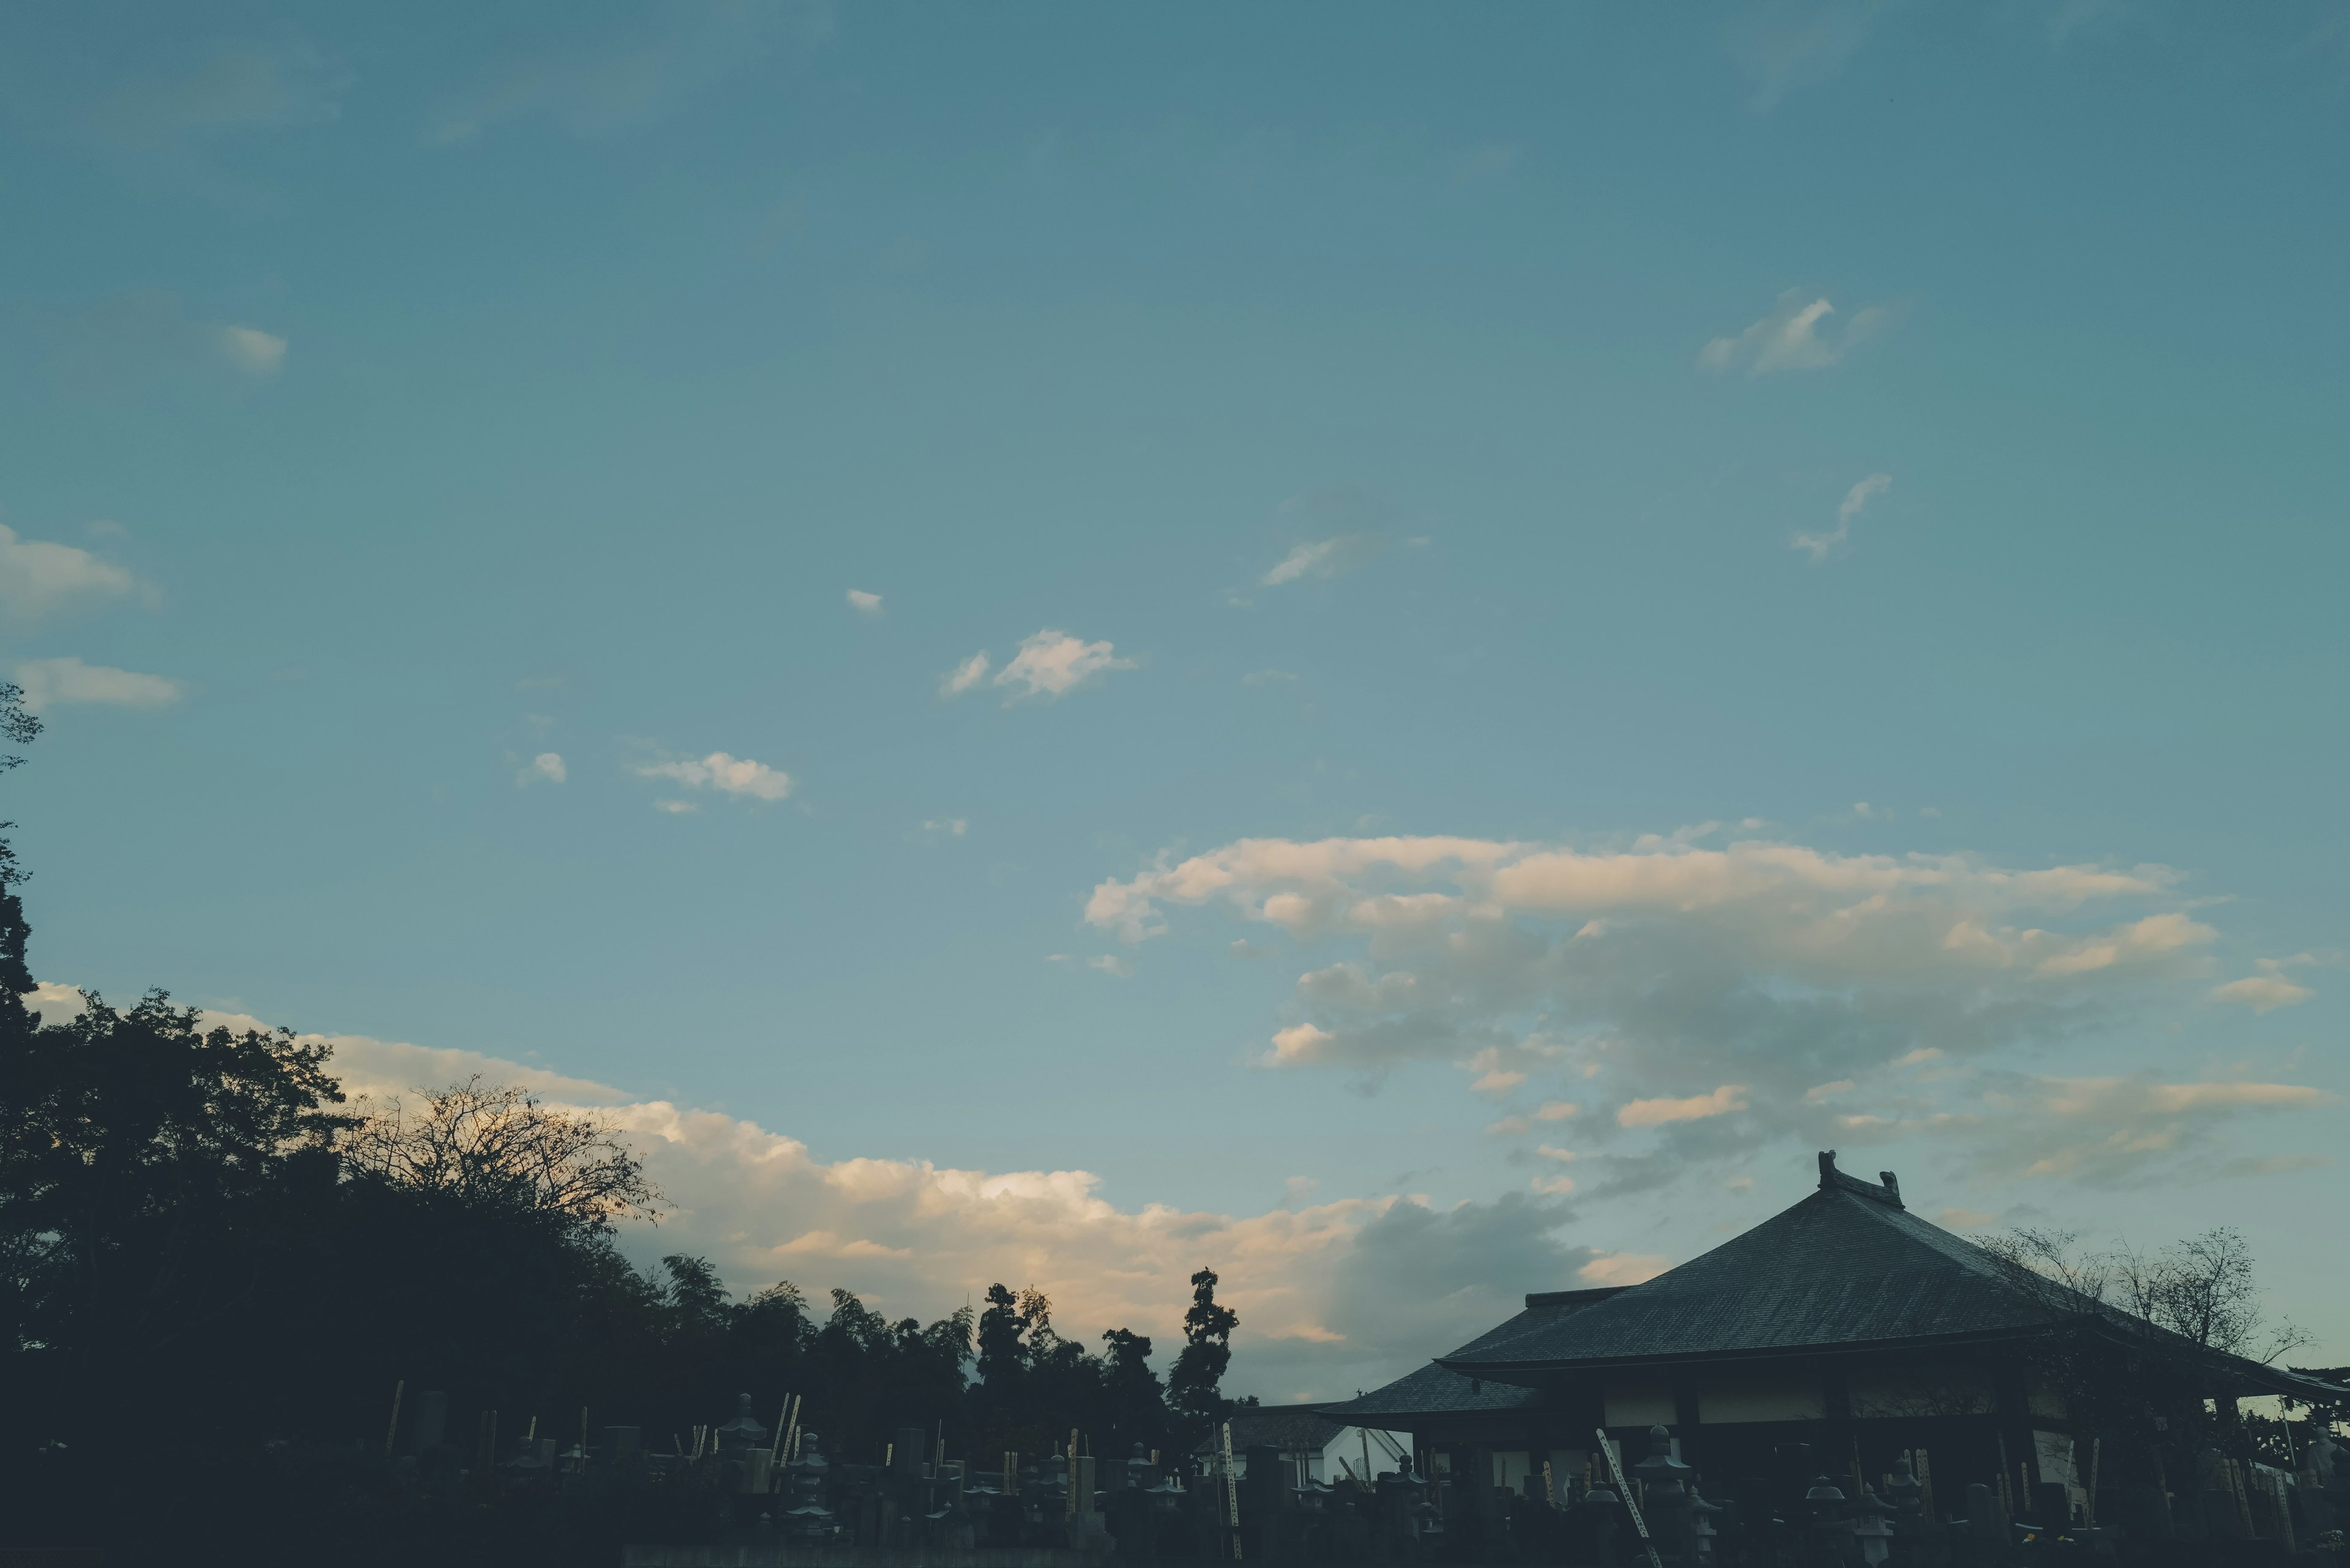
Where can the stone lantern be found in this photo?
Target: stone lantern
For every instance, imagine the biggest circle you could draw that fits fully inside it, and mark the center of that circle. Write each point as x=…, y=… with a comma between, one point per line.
x=1872, y=1526
x=1831, y=1535
x=1665, y=1497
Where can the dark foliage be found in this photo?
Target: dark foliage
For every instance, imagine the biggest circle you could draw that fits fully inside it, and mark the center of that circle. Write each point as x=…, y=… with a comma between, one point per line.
x=215, y=1271
x=1195, y=1386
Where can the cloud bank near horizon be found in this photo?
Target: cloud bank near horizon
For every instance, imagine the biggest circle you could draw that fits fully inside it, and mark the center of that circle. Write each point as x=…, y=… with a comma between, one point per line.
x=1332, y=1296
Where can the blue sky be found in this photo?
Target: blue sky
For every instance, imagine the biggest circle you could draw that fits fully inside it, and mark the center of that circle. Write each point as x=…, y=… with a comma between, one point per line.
x=1769, y=574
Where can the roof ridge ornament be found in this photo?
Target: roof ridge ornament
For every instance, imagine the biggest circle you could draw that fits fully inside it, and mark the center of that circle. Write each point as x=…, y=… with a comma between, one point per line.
x=1885, y=1189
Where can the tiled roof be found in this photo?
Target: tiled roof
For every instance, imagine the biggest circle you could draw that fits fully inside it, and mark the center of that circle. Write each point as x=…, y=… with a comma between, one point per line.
x=1846, y=1267
x=1435, y=1391
x=1837, y=1268
x=1294, y=1428
x=1431, y=1391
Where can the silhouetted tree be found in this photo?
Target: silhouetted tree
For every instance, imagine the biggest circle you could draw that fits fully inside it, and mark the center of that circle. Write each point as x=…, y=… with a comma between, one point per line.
x=153, y=1174
x=1135, y=1400
x=1003, y=1355
x=17, y=728
x=498, y=1145
x=1195, y=1385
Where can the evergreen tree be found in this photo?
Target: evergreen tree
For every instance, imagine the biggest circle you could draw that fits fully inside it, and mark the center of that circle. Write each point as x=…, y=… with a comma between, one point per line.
x=17, y=728
x=1135, y=1400
x=1002, y=1356
x=1194, y=1388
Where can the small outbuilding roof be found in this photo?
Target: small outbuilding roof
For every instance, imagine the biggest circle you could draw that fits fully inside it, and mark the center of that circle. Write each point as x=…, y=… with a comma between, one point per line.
x=1292, y=1429
x=1434, y=1390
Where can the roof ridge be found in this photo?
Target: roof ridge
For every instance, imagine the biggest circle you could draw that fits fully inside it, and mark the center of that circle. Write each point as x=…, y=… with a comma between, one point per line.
x=1886, y=1189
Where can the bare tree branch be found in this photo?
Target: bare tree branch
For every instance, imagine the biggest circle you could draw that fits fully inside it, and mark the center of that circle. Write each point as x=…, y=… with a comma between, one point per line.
x=497, y=1144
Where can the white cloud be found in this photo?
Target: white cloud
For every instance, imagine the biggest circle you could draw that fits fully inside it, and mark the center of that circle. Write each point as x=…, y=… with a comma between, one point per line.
x=2268, y=990
x=964, y=676
x=676, y=807
x=252, y=350
x=1335, y=529
x=544, y=768
x=1695, y=1108
x=727, y=774
x=37, y=576
x=946, y=828
x=1322, y=559
x=1050, y=664
x=863, y=603
x=1799, y=335
x=1700, y=1001
x=55, y=1003
x=1624, y=1268
x=56, y=682
x=1819, y=545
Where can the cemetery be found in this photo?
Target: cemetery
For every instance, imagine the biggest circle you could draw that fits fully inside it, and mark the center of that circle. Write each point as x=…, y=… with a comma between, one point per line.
x=1845, y=1384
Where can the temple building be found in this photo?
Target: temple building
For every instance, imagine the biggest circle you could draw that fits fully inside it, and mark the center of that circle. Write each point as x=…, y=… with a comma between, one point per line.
x=1838, y=1337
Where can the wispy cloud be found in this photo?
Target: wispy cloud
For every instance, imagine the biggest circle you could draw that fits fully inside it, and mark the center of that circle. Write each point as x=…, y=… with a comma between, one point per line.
x=1335, y=529
x=2269, y=989
x=38, y=577
x=544, y=768
x=1784, y=46
x=136, y=340
x=1322, y=559
x=162, y=102
x=1048, y=664
x=1487, y=160
x=144, y=90
x=1656, y=1113
x=1108, y=964
x=604, y=83
x=252, y=350
x=738, y=777
x=1799, y=335
x=60, y=683
x=863, y=603
x=2117, y=1132
x=966, y=676
x=1821, y=545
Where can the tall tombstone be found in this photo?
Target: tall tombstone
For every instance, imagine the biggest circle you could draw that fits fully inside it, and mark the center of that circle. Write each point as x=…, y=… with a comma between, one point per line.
x=906, y=1454
x=1265, y=1491
x=429, y=1422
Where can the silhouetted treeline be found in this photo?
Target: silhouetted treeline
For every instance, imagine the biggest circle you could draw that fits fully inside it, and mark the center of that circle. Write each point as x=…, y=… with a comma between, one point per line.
x=216, y=1269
